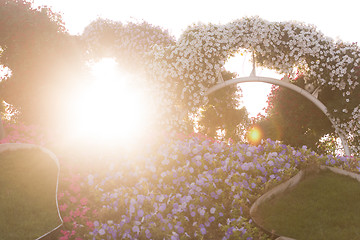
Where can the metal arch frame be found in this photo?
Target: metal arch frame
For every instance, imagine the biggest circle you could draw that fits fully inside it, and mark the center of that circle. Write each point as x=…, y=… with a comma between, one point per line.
x=288, y=85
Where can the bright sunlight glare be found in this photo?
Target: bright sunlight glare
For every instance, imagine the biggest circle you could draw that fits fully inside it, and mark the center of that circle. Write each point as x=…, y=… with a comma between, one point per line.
x=254, y=93
x=111, y=110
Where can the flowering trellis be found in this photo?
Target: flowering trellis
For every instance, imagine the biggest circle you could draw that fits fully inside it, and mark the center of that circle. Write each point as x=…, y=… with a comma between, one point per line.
x=184, y=69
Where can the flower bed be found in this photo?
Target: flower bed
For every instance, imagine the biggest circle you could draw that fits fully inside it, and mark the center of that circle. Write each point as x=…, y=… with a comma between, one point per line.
x=191, y=188
x=21, y=133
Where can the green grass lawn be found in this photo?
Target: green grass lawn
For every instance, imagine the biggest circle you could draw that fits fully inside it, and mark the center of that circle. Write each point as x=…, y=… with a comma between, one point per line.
x=322, y=206
x=27, y=194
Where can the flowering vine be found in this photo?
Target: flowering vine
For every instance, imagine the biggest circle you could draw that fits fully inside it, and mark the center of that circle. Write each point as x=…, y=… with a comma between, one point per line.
x=181, y=71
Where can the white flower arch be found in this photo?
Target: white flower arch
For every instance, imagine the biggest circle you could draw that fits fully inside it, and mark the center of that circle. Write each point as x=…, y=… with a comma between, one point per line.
x=186, y=68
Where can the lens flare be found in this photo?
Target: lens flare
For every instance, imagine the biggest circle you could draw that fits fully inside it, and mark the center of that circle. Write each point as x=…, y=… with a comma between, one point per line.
x=254, y=135
x=112, y=110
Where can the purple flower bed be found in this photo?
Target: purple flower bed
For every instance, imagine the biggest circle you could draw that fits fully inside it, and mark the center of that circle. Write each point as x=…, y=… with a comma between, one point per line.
x=188, y=188
x=195, y=188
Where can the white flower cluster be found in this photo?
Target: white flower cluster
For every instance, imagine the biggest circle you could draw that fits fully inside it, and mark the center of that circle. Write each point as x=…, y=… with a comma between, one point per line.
x=186, y=68
x=129, y=43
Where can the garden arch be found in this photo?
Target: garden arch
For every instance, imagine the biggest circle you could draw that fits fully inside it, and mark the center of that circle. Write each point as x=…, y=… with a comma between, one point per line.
x=184, y=69
x=312, y=98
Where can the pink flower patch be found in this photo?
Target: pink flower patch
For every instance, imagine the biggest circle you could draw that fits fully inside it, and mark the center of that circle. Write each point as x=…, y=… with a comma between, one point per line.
x=75, y=213
x=60, y=195
x=63, y=207
x=73, y=199
x=66, y=219
x=83, y=201
x=90, y=224
x=75, y=187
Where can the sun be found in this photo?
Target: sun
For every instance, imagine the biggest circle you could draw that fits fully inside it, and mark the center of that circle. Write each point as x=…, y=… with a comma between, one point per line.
x=111, y=109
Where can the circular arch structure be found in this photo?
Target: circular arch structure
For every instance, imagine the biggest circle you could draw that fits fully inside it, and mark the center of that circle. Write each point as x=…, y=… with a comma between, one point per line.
x=184, y=69
x=288, y=85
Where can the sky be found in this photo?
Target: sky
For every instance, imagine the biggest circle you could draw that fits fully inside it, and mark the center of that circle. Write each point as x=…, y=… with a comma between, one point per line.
x=336, y=19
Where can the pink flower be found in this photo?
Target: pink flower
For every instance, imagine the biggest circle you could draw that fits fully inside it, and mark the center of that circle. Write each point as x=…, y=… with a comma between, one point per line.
x=75, y=213
x=66, y=235
x=85, y=209
x=75, y=187
x=63, y=207
x=66, y=219
x=83, y=201
x=90, y=224
x=73, y=199
x=64, y=238
x=60, y=195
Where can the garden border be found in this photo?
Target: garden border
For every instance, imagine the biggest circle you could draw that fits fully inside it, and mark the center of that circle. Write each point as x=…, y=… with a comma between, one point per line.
x=16, y=146
x=292, y=182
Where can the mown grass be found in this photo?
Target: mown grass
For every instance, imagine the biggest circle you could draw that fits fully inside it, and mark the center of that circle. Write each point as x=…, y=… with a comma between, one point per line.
x=27, y=194
x=323, y=206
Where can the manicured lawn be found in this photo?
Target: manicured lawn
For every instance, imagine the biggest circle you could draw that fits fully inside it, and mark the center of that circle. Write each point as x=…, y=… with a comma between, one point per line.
x=322, y=206
x=27, y=194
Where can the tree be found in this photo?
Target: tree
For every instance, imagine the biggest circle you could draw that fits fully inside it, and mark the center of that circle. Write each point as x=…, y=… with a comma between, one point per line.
x=293, y=119
x=46, y=62
x=222, y=113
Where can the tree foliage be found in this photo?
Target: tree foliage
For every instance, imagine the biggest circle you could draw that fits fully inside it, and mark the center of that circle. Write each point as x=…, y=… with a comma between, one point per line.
x=293, y=119
x=222, y=112
x=46, y=62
